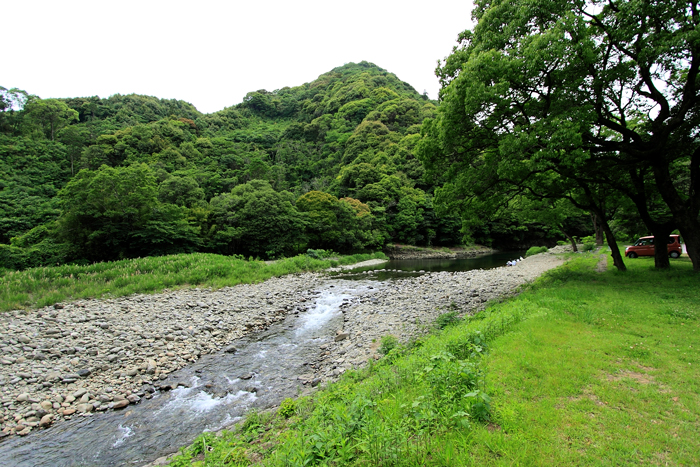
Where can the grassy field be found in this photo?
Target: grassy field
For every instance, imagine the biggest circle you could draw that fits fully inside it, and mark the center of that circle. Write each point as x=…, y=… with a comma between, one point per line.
x=48, y=285
x=583, y=368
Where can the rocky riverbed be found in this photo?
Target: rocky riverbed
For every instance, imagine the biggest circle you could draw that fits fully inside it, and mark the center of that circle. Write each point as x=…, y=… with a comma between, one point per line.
x=78, y=358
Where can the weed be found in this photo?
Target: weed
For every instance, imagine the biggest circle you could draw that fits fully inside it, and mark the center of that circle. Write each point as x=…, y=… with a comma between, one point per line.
x=388, y=343
x=287, y=408
x=447, y=319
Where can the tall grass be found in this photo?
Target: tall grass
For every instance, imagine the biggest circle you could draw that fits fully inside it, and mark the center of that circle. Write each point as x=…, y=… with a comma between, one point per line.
x=43, y=286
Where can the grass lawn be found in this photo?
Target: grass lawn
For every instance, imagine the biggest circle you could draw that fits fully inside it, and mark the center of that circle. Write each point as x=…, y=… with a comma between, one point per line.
x=583, y=368
x=607, y=374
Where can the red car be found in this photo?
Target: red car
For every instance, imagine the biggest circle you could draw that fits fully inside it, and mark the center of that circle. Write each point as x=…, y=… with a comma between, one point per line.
x=645, y=247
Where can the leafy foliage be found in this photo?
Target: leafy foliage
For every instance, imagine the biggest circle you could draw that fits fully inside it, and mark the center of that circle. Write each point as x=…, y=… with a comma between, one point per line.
x=535, y=250
x=585, y=102
x=325, y=165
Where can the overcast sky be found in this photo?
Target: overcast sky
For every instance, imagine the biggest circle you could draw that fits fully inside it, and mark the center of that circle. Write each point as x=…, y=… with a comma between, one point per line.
x=211, y=53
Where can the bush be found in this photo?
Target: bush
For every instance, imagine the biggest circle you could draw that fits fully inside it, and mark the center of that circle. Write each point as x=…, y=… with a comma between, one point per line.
x=319, y=254
x=287, y=408
x=389, y=343
x=46, y=253
x=588, y=246
x=447, y=319
x=536, y=250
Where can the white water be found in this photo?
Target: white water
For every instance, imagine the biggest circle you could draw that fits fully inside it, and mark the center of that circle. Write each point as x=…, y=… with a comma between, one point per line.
x=124, y=433
x=327, y=306
x=193, y=400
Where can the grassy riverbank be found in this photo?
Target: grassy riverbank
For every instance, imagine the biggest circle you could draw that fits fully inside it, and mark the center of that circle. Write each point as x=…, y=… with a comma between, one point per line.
x=39, y=287
x=583, y=368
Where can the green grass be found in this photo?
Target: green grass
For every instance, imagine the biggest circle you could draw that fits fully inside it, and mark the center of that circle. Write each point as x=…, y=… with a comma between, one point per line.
x=39, y=287
x=583, y=368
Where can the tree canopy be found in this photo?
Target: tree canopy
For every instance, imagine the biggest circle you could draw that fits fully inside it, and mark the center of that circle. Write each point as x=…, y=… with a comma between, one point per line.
x=573, y=100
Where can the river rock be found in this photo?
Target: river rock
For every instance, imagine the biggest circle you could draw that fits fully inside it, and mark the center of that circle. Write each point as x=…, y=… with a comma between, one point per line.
x=151, y=366
x=84, y=408
x=46, y=421
x=341, y=336
x=119, y=404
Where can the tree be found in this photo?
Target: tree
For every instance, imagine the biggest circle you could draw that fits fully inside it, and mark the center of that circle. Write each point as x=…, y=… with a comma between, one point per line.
x=339, y=224
x=575, y=88
x=50, y=114
x=76, y=139
x=182, y=191
x=113, y=213
x=323, y=228
x=256, y=220
x=11, y=102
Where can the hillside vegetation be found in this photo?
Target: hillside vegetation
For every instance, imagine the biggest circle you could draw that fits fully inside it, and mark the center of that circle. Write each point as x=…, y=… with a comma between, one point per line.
x=328, y=164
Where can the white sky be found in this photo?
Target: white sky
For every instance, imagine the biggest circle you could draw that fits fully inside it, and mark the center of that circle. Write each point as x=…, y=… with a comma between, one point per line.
x=211, y=53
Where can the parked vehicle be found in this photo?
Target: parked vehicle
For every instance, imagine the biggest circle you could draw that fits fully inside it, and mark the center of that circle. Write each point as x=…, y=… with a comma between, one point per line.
x=645, y=247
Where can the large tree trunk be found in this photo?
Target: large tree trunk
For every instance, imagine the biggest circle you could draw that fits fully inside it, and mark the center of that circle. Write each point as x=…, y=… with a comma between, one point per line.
x=598, y=229
x=691, y=237
x=661, y=260
x=686, y=211
x=661, y=229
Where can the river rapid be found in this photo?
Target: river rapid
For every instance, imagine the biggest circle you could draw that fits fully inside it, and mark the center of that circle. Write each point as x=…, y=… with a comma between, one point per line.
x=335, y=325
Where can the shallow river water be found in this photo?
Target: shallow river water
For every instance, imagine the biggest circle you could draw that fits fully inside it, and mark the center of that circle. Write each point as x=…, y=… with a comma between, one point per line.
x=217, y=390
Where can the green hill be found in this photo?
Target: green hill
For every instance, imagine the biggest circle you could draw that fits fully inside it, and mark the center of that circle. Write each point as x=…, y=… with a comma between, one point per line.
x=327, y=164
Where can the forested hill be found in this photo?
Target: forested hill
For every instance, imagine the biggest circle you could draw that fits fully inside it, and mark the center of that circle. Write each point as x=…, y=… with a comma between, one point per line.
x=328, y=164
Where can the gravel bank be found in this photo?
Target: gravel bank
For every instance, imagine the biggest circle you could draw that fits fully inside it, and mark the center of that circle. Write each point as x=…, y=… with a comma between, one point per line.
x=405, y=308
x=87, y=356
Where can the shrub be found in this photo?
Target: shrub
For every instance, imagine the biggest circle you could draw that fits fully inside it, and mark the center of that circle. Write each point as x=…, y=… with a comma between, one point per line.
x=319, y=254
x=588, y=246
x=447, y=319
x=389, y=342
x=536, y=250
x=287, y=408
